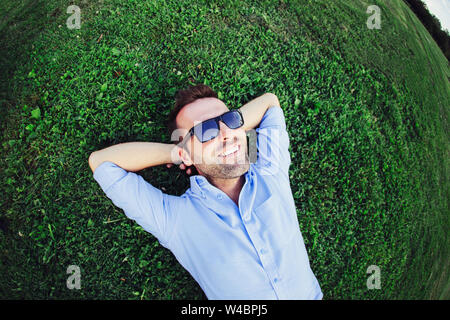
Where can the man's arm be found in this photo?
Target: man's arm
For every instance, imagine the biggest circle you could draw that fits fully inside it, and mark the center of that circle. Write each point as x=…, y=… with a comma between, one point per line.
x=272, y=136
x=134, y=156
x=152, y=209
x=254, y=110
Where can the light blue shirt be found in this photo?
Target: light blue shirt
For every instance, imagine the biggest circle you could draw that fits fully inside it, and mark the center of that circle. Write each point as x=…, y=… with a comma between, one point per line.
x=254, y=251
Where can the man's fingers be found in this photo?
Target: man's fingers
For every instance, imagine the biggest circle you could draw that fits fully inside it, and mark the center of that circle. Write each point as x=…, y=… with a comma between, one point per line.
x=182, y=167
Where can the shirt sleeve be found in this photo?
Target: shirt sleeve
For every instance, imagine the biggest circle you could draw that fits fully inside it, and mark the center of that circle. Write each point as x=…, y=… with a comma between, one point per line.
x=152, y=209
x=273, y=143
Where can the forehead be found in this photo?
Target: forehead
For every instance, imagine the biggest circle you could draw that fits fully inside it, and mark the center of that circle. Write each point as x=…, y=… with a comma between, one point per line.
x=200, y=110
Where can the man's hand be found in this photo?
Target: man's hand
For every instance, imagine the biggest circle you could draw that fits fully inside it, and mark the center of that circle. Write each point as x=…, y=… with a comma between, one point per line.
x=182, y=167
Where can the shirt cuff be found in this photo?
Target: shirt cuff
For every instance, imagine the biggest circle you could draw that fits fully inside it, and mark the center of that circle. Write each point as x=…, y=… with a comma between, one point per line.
x=107, y=173
x=274, y=117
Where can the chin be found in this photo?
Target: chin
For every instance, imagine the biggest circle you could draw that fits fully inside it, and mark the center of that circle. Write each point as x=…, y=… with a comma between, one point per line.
x=234, y=170
x=225, y=171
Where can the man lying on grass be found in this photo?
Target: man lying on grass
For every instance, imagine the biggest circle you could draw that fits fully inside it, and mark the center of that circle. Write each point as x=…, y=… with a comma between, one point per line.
x=235, y=229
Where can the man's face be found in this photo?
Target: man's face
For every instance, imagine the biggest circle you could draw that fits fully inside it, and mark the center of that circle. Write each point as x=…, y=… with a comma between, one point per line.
x=225, y=156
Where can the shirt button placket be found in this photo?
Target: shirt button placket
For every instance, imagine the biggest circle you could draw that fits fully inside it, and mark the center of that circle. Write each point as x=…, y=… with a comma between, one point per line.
x=270, y=267
x=264, y=254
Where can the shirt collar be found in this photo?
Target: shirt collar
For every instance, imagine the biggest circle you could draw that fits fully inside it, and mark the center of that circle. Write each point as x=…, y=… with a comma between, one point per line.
x=214, y=199
x=202, y=187
x=197, y=183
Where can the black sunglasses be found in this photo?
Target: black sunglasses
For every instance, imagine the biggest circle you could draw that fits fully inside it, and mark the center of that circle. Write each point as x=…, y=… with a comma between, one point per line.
x=209, y=129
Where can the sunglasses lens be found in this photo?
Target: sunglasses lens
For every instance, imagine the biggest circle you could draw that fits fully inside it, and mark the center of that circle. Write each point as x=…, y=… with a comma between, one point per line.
x=208, y=130
x=232, y=119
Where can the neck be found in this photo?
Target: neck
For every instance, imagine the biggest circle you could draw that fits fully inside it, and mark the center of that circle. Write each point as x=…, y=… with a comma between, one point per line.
x=232, y=187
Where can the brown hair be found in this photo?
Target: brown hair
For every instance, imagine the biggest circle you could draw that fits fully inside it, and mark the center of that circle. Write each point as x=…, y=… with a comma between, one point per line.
x=186, y=96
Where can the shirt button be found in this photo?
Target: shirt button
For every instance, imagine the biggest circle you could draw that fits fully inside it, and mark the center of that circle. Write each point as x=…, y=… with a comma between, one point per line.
x=275, y=280
x=219, y=196
x=262, y=251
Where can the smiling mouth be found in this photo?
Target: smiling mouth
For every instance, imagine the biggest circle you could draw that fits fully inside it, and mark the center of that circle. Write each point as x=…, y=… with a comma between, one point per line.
x=232, y=151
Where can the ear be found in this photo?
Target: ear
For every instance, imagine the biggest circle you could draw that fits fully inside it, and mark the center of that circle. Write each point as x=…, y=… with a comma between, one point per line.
x=185, y=157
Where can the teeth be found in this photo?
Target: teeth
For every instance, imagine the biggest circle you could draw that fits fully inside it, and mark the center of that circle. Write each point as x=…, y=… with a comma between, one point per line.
x=230, y=151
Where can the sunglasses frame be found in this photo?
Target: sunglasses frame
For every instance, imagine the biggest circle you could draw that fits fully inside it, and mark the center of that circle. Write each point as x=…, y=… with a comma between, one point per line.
x=216, y=119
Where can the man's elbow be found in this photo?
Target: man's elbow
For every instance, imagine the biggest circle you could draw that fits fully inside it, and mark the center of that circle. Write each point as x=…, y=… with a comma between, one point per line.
x=274, y=102
x=93, y=161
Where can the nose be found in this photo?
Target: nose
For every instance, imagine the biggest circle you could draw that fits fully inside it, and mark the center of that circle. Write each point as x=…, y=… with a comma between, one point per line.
x=225, y=133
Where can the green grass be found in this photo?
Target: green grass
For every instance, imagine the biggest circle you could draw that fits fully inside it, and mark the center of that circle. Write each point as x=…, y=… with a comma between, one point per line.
x=367, y=112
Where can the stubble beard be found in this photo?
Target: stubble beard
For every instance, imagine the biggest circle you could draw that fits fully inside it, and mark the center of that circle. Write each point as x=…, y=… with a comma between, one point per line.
x=225, y=170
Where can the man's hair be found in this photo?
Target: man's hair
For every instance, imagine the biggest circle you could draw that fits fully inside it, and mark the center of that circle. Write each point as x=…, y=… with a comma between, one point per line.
x=186, y=96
